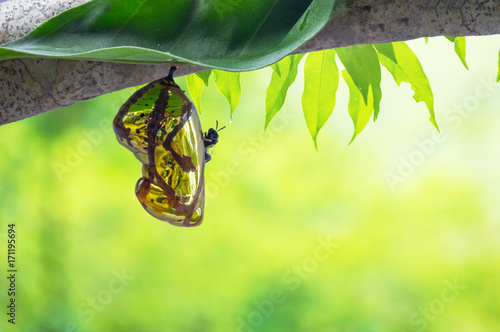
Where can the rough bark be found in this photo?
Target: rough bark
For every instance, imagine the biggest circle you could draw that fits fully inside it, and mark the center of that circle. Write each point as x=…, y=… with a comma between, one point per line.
x=32, y=86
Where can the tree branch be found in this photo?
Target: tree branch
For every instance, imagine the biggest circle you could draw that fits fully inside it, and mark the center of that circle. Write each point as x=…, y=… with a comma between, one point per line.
x=33, y=86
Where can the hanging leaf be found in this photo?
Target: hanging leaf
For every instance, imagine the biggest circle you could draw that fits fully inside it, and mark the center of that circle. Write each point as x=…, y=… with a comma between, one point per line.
x=277, y=89
x=195, y=86
x=223, y=34
x=460, y=50
x=361, y=62
x=359, y=111
x=409, y=69
x=204, y=75
x=321, y=80
x=426, y=39
x=228, y=85
x=276, y=68
x=498, y=75
x=388, y=50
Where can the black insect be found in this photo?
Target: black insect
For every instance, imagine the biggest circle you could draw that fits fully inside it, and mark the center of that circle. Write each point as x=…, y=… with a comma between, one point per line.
x=210, y=139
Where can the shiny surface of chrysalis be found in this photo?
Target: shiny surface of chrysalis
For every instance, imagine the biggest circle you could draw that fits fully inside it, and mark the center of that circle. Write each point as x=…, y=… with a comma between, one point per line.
x=160, y=125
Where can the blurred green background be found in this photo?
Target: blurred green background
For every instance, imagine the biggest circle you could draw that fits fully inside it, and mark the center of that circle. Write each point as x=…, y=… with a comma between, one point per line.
x=397, y=232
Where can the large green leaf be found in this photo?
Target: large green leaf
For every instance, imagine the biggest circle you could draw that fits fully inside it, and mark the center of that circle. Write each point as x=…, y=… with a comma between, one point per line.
x=284, y=74
x=224, y=34
x=359, y=111
x=321, y=80
x=228, y=85
x=409, y=69
x=361, y=62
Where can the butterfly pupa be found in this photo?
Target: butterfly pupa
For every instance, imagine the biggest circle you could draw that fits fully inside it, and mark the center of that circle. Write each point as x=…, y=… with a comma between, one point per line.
x=160, y=125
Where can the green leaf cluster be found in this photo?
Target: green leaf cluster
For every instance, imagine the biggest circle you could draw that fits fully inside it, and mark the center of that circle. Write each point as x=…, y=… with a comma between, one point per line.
x=228, y=84
x=362, y=75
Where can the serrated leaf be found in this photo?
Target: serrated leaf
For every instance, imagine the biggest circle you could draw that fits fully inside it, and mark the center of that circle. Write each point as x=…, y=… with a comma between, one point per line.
x=359, y=111
x=409, y=69
x=498, y=75
x=204, y=75
x=223, y=34
x=321, y=80
x=361, y=62
x=195, y=86
x=277, y=89
x=228, y=85
x=460, y=50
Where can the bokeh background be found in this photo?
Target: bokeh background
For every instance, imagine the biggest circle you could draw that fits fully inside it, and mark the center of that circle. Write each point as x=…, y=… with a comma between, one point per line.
x=400, y=231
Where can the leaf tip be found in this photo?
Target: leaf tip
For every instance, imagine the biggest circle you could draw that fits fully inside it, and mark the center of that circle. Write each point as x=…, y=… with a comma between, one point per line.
x=352, y=139
x=433, y=121
x=315, y=141
x=266, y=123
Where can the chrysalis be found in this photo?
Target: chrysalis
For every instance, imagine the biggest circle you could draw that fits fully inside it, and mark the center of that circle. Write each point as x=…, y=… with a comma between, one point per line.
x=160, y=125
